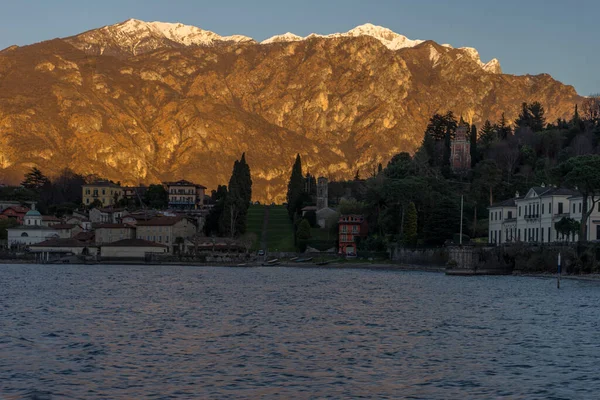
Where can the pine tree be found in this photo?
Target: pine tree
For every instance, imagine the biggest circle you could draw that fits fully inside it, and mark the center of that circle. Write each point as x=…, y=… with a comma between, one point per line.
x=295, y=187
x=245, y=179
x=503, y=129
x=410, y=225
x=235, y=209
x=34, y=179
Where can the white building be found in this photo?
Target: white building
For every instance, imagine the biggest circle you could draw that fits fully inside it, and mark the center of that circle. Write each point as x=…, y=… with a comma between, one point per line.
x=32, y=231
x=532, y=218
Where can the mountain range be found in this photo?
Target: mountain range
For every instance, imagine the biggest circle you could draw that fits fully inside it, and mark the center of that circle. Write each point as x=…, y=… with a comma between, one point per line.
x=151, y=101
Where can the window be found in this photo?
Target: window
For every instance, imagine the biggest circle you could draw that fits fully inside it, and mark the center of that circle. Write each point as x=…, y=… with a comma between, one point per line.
x=344, y=228
x=24, y=234
x=549, y=235
x=103, y=191
x=166, y=239
x=579, y=207
x=542, y=208
x=518, y=234
x=509, y=214
x=573, y=208
x=542, y=232
x=87, y=201
x=519, y=211
x=550, y=208
x=560, y=208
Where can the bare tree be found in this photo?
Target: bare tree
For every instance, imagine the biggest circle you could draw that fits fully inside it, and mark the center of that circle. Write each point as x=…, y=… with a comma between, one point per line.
x=590, y=108
x=506, y=155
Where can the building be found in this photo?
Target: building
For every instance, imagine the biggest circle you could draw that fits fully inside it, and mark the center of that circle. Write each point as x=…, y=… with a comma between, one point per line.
x=351, y=227
x=134, y=193
x=532, y=218
x=48, y=220
x=322, y=193
x=165, y=230
x=324, y=213
x=460, y=150
x=106, y=192
x=31, y=232
x=131, y=249
x=67, y=231
x=109, y=233
x=15, y=212
x=185, y=195
x=107, y=215
x=53, y=249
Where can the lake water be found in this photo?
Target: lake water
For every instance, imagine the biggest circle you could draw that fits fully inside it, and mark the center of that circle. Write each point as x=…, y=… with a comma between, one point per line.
x=108, y=332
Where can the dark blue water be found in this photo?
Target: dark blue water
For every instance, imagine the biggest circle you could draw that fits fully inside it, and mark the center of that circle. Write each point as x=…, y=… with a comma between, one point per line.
x=131, y=332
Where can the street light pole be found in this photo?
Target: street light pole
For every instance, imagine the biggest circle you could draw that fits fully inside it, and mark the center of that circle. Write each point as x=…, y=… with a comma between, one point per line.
x=461, y=218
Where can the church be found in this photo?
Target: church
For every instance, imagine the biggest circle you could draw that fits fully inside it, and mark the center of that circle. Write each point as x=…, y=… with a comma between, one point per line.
x=460, y=150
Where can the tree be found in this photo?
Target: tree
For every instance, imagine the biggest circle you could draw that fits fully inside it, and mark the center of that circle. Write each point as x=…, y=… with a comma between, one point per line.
x=503, y=130
x=95, y=204
x=235, y=209
x=531, y=116
x=302, y=234
x=156, y=197
x=473, y=146
x=409, y=236
x=34, y=179
x=487, y=175
x=211, y=225
x=295, y=187
x=245, y=178
x=581, y=172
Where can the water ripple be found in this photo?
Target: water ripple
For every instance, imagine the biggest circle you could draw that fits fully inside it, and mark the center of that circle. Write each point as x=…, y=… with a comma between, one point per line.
x=81, y=332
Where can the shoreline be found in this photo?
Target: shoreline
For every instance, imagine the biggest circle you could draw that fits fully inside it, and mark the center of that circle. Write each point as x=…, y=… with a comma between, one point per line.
x=337, y=266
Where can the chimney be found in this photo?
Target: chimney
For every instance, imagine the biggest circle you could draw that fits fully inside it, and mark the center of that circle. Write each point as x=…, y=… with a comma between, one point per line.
x=517, y=194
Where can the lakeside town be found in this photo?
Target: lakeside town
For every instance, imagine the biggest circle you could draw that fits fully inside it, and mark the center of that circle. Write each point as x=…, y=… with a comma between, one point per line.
x=416, y=210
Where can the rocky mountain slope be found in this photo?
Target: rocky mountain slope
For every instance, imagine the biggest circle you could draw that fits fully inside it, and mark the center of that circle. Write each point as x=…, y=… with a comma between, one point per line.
x=145, y=102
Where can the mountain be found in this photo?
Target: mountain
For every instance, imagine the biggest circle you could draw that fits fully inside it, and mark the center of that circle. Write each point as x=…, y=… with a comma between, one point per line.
x=146, y=102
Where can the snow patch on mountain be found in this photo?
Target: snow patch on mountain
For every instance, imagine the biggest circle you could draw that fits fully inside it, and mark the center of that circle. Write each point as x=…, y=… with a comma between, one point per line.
x=286, y=37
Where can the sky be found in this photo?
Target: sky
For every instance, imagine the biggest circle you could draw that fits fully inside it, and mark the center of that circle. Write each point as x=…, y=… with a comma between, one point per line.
x=558, y=37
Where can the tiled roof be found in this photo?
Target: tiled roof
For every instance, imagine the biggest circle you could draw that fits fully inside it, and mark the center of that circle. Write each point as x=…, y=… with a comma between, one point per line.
x=63, y=226
x=183, y=182
x=160, y=221
x=114, y=226
x=60, y=243
x=103, y=184
x=134, y=243
x=505, y=203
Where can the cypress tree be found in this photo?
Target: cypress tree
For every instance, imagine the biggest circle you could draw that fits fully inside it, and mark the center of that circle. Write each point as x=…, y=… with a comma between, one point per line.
x=473, y=142
x=295, y=187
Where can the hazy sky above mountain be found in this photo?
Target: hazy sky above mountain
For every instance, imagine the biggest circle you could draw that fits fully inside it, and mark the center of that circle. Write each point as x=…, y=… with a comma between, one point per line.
x=527, y=36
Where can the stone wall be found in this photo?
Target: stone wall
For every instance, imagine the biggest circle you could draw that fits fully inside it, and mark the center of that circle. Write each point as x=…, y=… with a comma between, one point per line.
x=424, y=256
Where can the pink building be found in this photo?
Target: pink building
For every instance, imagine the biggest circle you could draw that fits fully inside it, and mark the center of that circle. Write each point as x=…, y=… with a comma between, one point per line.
x=460, y=156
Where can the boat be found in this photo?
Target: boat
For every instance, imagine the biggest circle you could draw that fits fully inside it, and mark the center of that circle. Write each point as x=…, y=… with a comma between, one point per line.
x=299, y=260
x=323, y=263
x=272, y=261
x=294, y=258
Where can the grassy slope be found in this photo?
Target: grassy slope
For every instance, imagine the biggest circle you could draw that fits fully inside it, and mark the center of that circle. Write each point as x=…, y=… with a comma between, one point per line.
x=254, y=223
x=280, y=231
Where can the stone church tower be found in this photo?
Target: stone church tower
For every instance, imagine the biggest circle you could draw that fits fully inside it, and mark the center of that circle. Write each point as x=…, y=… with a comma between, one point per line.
x=460, y=155
x=322, y=193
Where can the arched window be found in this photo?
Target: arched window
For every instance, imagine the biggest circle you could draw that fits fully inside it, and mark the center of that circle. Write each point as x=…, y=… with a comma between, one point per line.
x=24, y=234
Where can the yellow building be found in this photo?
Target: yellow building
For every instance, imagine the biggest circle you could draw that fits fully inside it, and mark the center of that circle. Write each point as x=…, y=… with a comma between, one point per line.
x=106, y=192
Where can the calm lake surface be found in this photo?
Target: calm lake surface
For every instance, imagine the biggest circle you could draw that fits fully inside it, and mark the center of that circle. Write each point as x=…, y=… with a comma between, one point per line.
x=108, y=332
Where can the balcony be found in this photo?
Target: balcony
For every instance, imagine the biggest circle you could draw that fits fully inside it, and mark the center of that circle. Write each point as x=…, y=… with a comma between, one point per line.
x=532, y=217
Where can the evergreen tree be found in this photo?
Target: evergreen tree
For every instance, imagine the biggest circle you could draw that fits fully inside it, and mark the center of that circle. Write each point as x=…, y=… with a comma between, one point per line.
x=34, y=179
x=295, y=187
x=235, y=209
x=245, y=179
x=428, y=146
x=211, y=225
x=410, y=225
x=503, y=130
x=473, y=145
x=379, y=168
x=531, y=116
x=487, y=135
x=157, y=197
